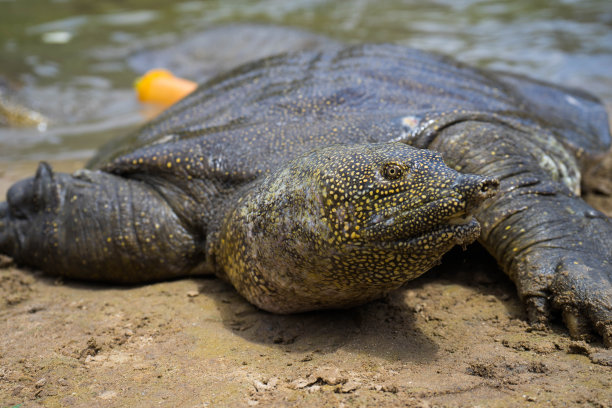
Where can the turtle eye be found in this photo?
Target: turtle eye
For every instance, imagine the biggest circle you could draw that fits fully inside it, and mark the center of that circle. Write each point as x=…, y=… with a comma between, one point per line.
x=392, y=171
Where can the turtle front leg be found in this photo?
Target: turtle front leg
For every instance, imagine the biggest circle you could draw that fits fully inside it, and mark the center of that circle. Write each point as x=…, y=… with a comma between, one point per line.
x=95, y=226
x=557, y=250
x=553, y=245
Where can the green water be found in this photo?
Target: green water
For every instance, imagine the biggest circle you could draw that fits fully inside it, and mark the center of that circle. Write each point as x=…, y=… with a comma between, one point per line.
x=70, y=59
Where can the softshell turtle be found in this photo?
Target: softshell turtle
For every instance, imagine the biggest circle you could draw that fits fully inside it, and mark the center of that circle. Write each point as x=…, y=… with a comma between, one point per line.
x=300, y=180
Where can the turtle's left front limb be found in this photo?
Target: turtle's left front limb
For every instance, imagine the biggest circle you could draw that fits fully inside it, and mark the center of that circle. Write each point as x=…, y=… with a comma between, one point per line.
x=554, y=246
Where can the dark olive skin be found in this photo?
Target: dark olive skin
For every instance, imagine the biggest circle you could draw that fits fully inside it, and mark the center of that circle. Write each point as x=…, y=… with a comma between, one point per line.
x=346, y=224
x=292, y=178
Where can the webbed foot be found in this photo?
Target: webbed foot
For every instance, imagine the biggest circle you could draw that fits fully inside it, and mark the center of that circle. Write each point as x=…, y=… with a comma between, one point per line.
x=581, y=291
x=561, y=263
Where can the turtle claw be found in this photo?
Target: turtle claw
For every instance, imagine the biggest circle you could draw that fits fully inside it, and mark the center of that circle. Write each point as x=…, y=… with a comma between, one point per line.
x=606, y=331
x=540, y=315
x=538, y=312
x=577, y=324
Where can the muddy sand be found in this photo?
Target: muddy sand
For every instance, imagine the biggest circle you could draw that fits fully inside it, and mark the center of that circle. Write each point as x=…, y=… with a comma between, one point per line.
x=455, y=337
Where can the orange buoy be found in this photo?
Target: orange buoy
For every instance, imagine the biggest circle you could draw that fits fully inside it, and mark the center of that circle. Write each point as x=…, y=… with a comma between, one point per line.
x=161, y=87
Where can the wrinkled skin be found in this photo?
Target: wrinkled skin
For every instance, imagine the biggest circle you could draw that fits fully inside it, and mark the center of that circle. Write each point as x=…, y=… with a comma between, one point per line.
x=178, y=183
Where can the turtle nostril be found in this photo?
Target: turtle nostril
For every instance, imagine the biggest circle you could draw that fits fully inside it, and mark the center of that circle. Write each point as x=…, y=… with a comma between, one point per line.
x=489, y=187
x=478, y=189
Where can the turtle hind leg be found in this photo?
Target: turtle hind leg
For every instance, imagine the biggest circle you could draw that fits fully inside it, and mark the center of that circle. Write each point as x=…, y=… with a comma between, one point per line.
x=96, y=226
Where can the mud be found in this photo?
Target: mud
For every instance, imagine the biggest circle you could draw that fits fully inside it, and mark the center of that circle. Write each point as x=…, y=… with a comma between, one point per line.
x=455, y=337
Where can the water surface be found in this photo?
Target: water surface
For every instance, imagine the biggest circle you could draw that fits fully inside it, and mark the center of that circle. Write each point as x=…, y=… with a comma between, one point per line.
x=74, y=60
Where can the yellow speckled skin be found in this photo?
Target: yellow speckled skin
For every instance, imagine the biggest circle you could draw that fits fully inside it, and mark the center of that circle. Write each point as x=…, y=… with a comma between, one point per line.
x=257, y=176
x=345, y=224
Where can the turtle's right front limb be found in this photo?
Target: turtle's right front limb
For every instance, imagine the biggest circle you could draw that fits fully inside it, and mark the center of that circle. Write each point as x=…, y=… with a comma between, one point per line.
x=558, y=251
x=553, y=245
x=95, y=226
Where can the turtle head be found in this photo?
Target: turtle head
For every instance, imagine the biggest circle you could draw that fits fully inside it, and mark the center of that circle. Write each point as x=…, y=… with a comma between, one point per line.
x=347, y=223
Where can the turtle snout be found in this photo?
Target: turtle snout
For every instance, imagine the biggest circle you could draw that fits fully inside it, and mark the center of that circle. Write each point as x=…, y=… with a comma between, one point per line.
x=486, y=187
x=475, y=189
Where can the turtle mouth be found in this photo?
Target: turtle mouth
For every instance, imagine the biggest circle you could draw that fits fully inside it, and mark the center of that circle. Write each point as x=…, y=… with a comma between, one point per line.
x=460, y=229
x=405, y=222
x=436, y=223
x=463, y=229
x=460, y=219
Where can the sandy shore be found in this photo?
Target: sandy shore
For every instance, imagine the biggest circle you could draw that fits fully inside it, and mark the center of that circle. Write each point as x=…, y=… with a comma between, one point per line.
x=455, y=337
